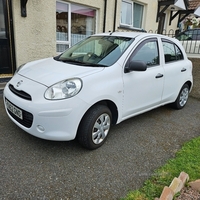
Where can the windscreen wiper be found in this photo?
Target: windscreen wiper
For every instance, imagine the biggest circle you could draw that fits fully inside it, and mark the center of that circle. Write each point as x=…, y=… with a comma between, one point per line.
x=95, y=65
x=77, y=62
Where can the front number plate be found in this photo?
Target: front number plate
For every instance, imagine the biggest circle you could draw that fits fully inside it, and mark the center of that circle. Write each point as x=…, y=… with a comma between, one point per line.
x=13, y=109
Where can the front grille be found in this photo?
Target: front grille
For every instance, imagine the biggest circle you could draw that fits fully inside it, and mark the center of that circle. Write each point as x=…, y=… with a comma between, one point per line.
x=27, y=120
x=20, y=93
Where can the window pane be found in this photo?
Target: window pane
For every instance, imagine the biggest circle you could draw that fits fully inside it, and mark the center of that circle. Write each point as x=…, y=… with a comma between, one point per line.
x=74, y=26
x=137, y=15
x=61, y=21
x=169, y=52
x=62, y=28
x=179, y=54
x=126, y=13
x=2, y=23
x=82, y=22
x=148, y=53
x=61, y=47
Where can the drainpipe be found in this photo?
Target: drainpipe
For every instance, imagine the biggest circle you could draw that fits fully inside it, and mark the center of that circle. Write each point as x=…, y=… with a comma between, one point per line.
x=104, y=19
x=115, y=14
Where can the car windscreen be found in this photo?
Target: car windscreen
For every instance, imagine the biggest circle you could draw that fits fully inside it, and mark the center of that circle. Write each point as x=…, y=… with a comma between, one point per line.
x=96, y=51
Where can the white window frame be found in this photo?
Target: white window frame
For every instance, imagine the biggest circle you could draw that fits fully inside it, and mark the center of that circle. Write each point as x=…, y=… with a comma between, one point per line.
x=69, y=41
x=132, y=14
x=66, y=42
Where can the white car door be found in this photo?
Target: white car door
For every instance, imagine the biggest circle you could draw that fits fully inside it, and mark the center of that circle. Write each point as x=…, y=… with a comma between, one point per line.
x=143, y=89
x=176, y=70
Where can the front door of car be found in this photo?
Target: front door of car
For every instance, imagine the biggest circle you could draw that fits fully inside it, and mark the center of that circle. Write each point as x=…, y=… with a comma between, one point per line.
x=143, y=89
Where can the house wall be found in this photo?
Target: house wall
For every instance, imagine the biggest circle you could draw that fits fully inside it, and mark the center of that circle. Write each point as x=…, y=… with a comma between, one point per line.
x=35, y=35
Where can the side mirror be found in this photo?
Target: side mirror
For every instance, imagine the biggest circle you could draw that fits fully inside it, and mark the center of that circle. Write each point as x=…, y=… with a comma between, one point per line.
x=135, y=66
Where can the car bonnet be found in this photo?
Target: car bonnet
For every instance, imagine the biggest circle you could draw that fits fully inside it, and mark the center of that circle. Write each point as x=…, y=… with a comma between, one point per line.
x=49, y=71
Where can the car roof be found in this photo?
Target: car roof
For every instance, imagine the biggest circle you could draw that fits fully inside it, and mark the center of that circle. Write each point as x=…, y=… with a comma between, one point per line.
x=124, y=34
x=140, y=35
x=133, y=34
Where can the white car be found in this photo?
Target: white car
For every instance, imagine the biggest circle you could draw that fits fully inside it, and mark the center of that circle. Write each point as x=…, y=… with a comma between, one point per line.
x=103, y=80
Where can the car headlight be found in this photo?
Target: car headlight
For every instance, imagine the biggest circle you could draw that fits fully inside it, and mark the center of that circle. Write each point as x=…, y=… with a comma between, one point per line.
x=64, y=89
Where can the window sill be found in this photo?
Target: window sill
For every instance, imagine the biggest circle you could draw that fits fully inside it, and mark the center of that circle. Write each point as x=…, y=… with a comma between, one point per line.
x=124, y=27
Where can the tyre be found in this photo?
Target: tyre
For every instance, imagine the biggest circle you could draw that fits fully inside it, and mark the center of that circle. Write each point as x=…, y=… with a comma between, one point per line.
x=182, y=97
x=94, y=127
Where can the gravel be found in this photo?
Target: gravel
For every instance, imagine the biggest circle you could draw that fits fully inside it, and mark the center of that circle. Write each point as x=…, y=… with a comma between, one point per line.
x=188, y=193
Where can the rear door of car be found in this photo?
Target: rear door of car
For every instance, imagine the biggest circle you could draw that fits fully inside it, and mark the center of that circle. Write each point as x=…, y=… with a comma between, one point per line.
x=143, y=89
x=175, y=69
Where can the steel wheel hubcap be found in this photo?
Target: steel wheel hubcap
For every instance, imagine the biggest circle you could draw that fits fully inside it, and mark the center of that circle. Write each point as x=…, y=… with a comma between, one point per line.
x=101, y=128
x=184, y=96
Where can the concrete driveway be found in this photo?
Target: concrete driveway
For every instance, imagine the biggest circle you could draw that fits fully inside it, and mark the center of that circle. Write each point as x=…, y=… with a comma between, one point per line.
x=32, y=168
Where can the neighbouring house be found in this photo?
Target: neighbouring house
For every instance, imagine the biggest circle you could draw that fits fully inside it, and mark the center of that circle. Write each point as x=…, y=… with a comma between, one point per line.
x=33, y=29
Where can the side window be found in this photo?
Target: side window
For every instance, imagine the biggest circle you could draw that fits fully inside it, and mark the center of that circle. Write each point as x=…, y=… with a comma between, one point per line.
x=171, y=52
x=147, y=52
x=179, y=54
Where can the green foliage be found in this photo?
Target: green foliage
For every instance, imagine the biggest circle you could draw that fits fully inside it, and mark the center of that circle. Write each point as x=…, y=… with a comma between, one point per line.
x=187, y=160
x=136, y=195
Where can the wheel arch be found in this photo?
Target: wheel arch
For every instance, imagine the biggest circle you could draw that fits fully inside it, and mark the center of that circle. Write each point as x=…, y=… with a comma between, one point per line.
x=111, y=105
x=189, y=83
x=113, y=108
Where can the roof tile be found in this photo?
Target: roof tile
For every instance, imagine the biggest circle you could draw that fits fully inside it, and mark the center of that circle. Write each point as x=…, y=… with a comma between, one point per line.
x=193, y=4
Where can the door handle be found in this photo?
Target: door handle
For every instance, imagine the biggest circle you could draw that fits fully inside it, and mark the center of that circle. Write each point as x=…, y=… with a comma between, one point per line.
x=183, y=70
x=159, y=75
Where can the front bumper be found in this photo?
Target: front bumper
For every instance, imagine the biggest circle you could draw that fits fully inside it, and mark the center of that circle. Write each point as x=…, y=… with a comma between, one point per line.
x=51, y=120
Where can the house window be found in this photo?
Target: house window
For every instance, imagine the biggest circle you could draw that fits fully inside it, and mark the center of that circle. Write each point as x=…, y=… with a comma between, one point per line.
x=73, y=23
x=131, y=14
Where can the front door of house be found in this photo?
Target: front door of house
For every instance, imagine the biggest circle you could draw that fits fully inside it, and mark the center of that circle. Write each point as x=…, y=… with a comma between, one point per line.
x=7, y=59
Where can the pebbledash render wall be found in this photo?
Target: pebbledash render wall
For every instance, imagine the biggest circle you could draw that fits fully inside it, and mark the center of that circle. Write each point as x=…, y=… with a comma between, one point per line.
x=35, y=35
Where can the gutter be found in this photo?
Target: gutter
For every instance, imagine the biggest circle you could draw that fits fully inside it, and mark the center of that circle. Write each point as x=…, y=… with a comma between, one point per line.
x=115, y=14
x=104, y=19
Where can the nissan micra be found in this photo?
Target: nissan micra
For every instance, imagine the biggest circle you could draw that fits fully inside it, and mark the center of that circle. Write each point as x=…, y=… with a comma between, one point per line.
x=100, y=81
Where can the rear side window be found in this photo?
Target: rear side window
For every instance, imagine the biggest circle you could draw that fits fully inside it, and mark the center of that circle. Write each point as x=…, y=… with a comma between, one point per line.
x=171, y=52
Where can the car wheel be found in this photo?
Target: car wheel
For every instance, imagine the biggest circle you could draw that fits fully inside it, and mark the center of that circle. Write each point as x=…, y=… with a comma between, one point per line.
x=94, y=127
x=182, y=97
